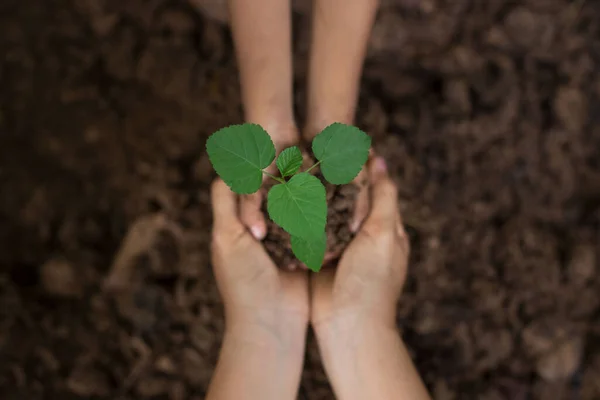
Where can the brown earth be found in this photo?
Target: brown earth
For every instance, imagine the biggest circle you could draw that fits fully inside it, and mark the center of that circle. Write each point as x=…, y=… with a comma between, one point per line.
x=487, y=111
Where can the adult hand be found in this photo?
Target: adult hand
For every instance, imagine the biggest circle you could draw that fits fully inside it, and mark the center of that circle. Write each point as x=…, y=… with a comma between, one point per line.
x=354, y=307
x=266, y=312
x=366, y=285
x=254, y=290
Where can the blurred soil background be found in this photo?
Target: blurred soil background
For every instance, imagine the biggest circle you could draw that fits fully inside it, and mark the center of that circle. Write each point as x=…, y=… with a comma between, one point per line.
x=488, y=113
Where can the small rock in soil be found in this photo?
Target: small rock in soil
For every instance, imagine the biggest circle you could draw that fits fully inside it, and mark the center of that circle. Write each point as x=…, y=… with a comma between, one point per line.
x=562, y=362
x=570, y=108
x=59, y=279
x=556, y=348
x=165, y=365
x=582, y=266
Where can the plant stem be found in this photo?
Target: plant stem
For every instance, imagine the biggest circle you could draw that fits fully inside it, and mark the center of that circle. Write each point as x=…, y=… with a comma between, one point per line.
x=308, y=170
x=273, y=177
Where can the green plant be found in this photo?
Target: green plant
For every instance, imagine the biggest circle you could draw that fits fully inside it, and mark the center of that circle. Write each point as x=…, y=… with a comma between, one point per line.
x=240, y=154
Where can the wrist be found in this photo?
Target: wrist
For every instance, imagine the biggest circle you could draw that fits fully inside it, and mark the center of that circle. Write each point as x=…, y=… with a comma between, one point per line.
x=335, y=333
x=316, y=123
x=282, y=129
x=354, y=358
x=259, y=359
x=274, y=329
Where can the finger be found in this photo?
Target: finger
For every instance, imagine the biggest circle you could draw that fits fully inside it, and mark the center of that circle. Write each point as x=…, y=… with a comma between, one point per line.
x=252, y=216
x=224, y=206
x=361, y=205
x=384, y=198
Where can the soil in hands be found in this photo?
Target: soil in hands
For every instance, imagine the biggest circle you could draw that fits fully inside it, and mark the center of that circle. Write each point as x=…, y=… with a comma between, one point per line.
x=340, y=208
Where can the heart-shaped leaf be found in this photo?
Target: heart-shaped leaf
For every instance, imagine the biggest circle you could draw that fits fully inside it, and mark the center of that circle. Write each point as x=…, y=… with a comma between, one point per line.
x=310, y=251
x=289, y=161
x=239, y=153
x=299, y=206
x=342, y=151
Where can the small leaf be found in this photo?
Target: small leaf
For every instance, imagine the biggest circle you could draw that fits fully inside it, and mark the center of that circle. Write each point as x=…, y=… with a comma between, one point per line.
x=289, y=161
x=342, y=150
x=239, y=153
x=299, y=206
x=311, y=252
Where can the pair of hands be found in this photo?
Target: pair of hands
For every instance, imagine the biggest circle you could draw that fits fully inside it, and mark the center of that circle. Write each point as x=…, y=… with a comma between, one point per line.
x=268, y=301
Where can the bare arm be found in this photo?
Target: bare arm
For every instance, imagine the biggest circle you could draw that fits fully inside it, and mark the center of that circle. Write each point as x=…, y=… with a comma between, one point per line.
x=262, y=36
x=259, y=365
x=341, y=30
x=370, y=362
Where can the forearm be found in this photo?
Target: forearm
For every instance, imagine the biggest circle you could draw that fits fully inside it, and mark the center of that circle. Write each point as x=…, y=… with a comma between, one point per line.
x=262, y=36
x=341, y=30
x=370, y=363
x=259, y=363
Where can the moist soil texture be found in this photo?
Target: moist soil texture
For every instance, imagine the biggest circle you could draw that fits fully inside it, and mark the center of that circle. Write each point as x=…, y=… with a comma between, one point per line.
x=488, y=113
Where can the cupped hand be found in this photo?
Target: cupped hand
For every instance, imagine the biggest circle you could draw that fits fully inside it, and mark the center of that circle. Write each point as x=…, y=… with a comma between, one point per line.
x=367, y=283
x=255, y=292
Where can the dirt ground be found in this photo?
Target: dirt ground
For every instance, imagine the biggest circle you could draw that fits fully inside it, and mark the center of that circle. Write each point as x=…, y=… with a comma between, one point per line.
x=487, y=111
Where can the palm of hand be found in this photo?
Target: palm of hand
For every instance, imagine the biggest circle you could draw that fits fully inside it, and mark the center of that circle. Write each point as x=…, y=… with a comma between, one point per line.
x=369, y=278
x=256, y=285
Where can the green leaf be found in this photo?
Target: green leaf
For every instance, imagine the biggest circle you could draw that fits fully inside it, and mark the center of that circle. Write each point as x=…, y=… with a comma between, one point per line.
x=239, y=153
x=299, y=206
x=311, y=252
x=289, y=161
x=342, y=151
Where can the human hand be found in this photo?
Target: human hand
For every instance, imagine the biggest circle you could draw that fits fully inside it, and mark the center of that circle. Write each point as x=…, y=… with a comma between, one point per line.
x=353, y=307
x=255, y=292
x=366, y=285
x=266, y=312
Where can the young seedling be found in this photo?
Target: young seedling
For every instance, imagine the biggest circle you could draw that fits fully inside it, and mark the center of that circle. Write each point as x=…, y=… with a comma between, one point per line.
x=240, y=154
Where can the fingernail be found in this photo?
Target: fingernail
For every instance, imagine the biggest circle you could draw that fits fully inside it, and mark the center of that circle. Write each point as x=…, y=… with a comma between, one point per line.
x=257, y=232
x=380, y=165
x=354, y=225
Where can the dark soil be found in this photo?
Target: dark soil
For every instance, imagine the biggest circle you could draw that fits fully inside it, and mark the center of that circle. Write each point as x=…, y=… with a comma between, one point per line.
x=487, y=112
x=340, y=208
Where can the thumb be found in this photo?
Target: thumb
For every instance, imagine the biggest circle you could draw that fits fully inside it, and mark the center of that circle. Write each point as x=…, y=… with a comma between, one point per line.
x=384, y=199
x=224, y=206
x=252, y=216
